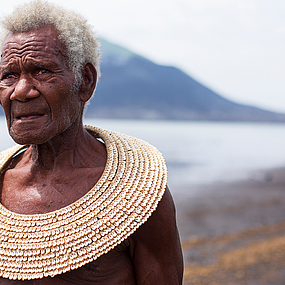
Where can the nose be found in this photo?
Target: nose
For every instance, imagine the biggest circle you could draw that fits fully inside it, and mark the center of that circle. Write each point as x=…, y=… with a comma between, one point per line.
x=24, y=89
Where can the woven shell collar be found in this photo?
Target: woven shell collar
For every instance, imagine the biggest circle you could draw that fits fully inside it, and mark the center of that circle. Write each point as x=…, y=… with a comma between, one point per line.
x=42, y=245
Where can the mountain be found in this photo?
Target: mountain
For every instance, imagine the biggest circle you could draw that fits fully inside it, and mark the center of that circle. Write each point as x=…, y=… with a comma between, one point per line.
x=132, y=86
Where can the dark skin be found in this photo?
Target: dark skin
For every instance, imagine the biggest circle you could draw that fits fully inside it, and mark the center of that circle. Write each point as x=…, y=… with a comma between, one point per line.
x=63, y=162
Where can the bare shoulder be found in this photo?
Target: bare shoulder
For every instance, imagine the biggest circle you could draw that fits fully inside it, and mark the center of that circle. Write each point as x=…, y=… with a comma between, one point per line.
x=155, y=247
x=7, y=160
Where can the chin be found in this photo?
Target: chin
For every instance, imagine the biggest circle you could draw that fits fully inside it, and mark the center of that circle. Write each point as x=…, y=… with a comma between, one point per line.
x=27, y=139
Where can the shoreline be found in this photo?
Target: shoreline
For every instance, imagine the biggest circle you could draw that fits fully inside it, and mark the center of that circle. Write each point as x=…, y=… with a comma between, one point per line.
x=231, y=231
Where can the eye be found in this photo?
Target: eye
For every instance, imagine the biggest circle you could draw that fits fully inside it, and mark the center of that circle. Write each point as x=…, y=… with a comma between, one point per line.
x=42, y=74
x=42, y=71
x=8, y=76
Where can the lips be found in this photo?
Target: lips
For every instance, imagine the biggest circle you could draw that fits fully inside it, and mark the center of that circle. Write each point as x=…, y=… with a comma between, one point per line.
x=30, y=110
x=28, y=116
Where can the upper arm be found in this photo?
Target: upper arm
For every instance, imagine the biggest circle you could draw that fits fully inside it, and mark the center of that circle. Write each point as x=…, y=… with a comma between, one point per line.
x=155, y=247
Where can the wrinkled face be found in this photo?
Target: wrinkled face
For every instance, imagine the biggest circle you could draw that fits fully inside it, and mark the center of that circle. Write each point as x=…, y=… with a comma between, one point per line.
x=36, y=87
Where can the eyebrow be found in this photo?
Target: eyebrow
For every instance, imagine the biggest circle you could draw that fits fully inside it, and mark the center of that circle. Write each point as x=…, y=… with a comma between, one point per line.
x=8, y=68
x=4, y=69
x=41, y=64
x=30, y=62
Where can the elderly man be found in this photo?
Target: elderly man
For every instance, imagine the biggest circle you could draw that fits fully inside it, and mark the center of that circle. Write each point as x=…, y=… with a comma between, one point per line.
x=79, y=205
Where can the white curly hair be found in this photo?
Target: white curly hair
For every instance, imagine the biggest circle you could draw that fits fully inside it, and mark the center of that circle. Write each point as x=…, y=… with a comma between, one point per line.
x=77, y=36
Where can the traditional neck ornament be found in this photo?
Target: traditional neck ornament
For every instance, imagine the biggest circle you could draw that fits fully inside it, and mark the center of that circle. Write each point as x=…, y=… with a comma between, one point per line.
x=42, y=245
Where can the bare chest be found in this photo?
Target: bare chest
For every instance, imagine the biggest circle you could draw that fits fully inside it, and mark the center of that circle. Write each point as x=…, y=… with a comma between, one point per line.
x=25, y=192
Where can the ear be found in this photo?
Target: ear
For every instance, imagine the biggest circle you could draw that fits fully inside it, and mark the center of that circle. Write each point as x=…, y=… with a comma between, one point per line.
x=89, y=80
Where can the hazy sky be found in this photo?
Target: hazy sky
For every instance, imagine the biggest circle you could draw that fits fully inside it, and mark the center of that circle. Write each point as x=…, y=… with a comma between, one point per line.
x=235, y=47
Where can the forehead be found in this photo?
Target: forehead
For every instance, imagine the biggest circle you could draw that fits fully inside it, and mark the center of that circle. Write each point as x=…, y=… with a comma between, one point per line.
x=42, y=43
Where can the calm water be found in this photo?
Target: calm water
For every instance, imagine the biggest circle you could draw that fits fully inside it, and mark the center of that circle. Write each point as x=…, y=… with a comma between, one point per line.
x=198, y=153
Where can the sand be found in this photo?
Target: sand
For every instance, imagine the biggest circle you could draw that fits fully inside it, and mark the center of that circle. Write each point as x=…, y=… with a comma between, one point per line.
x=234, y=233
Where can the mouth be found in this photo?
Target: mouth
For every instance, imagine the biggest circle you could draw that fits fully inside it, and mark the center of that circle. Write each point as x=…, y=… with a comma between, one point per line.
x=29, y=116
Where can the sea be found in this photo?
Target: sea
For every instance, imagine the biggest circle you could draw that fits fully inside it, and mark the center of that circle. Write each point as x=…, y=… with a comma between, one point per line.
x=198, y=153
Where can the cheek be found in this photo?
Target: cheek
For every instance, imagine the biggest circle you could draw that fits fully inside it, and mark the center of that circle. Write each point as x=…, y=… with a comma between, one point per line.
x=5, y=101
x=65, y=106
x=2, y=92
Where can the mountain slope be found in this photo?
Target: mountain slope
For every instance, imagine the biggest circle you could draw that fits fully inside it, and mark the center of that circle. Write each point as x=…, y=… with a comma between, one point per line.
x=134, y=87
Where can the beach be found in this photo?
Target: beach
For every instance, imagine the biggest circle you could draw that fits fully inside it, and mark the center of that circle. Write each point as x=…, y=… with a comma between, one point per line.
x=234, y=232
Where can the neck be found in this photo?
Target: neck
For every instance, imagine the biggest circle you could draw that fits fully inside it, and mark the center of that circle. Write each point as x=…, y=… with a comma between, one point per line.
x=65, y=150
